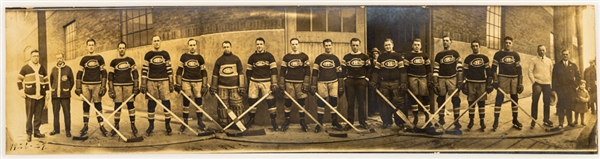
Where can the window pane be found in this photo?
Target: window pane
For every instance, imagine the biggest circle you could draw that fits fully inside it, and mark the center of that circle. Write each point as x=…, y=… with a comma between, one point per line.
x=136, y=13
x=130, y=39
x=136, y=39
x=319, y=19
x=303, y=19
x=142, y=22
x=149, y=20
x=129, y=14
x=334, y=20
x=129, y=26
x=124, y=38
x=144, y=38
x=136, y=24
x=349, y=19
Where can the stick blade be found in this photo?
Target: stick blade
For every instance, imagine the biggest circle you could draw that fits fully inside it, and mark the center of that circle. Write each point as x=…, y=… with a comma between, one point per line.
x=135, y=139
x=82, y=138
x=205, y=133
x=454, y=132
x=234, y=134
x=340, y=134
x=257, y=132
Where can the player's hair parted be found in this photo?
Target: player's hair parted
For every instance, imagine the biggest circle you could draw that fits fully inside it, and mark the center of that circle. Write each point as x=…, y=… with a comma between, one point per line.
x=92, y=40
x=192, y=39
x=226, y=42
x=261, y=39
x=355, y=39
x=122, y=42
x=294, y=39
x=475, y=41
x=327, y=40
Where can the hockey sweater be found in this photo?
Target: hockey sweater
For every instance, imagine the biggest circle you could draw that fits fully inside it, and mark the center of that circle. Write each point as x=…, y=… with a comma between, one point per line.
x=191, y=67
x=477, y=68
x=327, y=67
x=261, y=65
x=157, y=66
x=295, y=67
x=417, y=64
x=124, y=71
x=389, y=66
x=447, y=63
x=356, y=65
x=228, y=68
x=92, y=69
x=508, y=63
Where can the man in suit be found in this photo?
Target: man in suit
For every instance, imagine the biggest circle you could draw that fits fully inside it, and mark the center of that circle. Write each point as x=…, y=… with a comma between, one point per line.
x=589, y=75
x=565, y=76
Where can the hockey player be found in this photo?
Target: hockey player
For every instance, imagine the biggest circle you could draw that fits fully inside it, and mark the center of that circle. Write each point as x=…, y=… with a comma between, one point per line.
x=191, y=78
x=355, y=67
x=262, y=77
x=229, y=82
x=157, y=80
x=327, y=80
x=390, y=75
x=91, y=84
x=508, y=77
x=295, y=70
x=447, y=77
x=122, y=83
x=418, y=70
x=479, y=79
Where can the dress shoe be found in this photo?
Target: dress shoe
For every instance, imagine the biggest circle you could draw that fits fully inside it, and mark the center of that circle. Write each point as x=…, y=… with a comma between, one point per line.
x=68, y=134
x=28, y=138
x=385, y=126
x=54, y=133
x=548, y=124
x=39, y=135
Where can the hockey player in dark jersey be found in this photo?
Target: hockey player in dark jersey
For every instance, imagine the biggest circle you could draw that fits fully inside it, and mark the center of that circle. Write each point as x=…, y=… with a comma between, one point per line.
x=327, y=81
x=447, y=77
x=508, y=76
x=389, y=76
x=417, y=67
x=122, y=83
x=262, y=77
x=157, y=80
x=229, y=82
x=191, y=78
x=479, y=81
x=355, y=67
x=91, y=83
x=295, y=70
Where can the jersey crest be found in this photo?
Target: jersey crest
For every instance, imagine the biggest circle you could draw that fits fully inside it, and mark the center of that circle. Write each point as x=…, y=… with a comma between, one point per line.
x=124, y=65
x=448, y=59
x=390, y=64
x=356, y=62
x=295, y=63
x=327, y=64
x=508, y=60
x=418, y=61
x=477, y=62
x=157, y=60
x=192, y=63
x=228, y=70
x=261, y=63
x=64, y=78
x=92, y=63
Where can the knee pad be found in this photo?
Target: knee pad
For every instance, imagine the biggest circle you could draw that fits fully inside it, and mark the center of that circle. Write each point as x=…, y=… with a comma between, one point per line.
x=130, y=105
x=440, y=100
x=320, y=103
x=117, y=104
x=287, y=102
x=252, y=101
x=151, y=106
x=333, y=101
x=98, y=106
x=86, y=107
x=456, y=102
x=186, y=102
x=198, y=101
x=499, y=98
x=481, y=104
x=271, y=102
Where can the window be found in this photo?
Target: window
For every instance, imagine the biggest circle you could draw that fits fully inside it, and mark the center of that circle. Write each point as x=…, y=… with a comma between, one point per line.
x=70, y=49
x=326, y=19
x=136, y=26
x=493, y=27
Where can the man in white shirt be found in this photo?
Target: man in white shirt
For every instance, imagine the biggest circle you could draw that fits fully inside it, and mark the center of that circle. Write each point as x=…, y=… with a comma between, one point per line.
x=540, y=73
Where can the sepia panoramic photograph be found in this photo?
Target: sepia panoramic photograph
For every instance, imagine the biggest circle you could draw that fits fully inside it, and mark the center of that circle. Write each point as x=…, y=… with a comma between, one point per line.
x=193, y=79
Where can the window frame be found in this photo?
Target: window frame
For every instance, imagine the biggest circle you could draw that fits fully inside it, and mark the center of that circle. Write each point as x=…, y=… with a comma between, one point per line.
x=493, y=27
x=70, y=30
x=131, y=32
x=329, y=10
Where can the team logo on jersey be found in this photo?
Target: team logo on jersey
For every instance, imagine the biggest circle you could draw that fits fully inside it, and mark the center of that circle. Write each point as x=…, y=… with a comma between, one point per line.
x=477, y=62
x=123, y=65
x=295, y=63
x=418, y=61
x=92, y=63
x=228, y=70
x=261, y=63
x=356, y=62
x=390, y=64
x=448, y=59
x=64, y=78
x=327, y=64
x=193, y=63
x=157, y=60
x=508, y=59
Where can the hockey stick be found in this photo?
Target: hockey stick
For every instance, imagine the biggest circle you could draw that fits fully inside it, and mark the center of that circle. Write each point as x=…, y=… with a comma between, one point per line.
x=442, y=107
x=231, y=114
x=470, y=106
x=201, y=110
x=135, y=139
x=110, y=116
x=303, y=109
x=529, y=115
x=398, y=112
x=341, y=116
x=174, y=115
x=247, y=110
x=420, y=104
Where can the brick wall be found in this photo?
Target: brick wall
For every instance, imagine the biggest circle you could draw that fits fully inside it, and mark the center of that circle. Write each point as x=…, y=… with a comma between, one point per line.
x=529, y=27
x=461, y=23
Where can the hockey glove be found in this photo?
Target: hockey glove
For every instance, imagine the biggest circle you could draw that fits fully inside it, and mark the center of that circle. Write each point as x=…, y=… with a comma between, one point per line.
x=465, y=89
x=143, y=89
x=111, y=93
x=459, y=84
x=403, y=88
x=102, y=91
x=242, y=91
x=177, y=88
x=489, y=89
x=275, y=88
x=340, y=91
x=78, y=91
x=496, y=84
x=171, y=87
x=373, y=85
x=136, y=90
x=204, y=90
x=520, y=88
x=312, y=89
x=213, y=91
